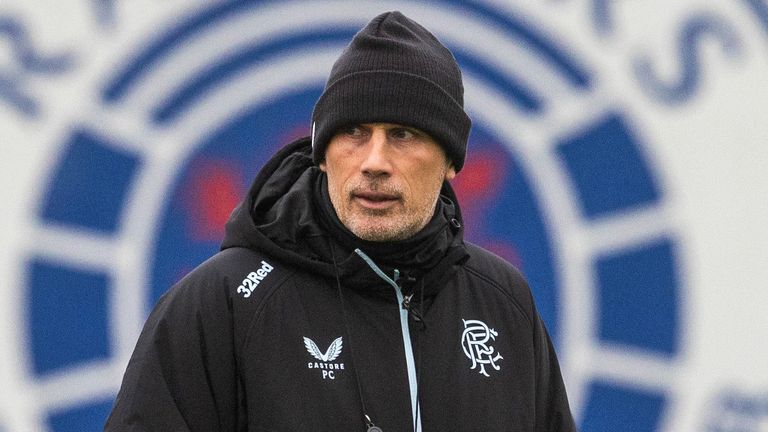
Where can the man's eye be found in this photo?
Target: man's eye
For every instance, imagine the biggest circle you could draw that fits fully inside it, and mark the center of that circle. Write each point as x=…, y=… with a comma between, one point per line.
x=403, y=134
x=352, y=130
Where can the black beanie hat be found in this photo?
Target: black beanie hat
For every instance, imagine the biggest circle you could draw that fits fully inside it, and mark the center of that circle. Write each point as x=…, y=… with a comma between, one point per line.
x=395, y=71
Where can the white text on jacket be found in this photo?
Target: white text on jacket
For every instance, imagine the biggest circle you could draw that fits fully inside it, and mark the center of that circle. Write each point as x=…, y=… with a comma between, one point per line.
x=253, y=279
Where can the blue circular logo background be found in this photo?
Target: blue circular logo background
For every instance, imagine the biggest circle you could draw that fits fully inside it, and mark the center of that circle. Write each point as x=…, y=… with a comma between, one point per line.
x=598, y=163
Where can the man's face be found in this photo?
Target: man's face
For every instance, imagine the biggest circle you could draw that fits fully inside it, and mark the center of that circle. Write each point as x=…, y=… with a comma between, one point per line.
x=384, y=179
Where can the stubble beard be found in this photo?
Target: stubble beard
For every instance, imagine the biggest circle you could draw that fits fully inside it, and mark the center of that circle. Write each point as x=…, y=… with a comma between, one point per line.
x=400, y=222
x=374, y=226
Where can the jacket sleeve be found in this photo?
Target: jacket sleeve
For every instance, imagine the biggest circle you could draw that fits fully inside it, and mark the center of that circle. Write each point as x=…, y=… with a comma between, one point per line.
x=182, y=374
x=553, y=413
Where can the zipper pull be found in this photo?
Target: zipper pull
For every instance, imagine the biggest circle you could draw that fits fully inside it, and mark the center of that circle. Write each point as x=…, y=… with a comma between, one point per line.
x=406, y=305
x=412, y=311
x=371, y=427
x=407, y=302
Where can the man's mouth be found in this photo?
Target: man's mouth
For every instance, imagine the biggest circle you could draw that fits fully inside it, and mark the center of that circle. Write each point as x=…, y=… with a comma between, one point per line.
x=375, y=200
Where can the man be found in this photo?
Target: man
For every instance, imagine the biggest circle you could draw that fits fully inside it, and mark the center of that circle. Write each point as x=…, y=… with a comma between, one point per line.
x=344, y=297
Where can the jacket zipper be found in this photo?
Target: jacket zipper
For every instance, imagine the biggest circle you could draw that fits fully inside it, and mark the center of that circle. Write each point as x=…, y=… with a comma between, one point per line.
x=406, y=333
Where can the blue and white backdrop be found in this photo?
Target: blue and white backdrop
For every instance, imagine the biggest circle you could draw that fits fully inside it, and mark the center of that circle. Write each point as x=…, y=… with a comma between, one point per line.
x=619, y=157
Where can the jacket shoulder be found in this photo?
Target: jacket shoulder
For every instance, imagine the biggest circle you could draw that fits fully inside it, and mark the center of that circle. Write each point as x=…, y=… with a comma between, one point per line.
x=497, y=273
x=228, y=276
x=230, y=266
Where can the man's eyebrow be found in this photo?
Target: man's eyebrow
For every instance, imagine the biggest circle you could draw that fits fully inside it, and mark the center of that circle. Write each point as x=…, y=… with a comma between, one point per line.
x=408, y=128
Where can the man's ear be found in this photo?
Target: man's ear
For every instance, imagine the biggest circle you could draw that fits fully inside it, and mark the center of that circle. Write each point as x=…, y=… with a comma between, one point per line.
x=321, y=165
x=450, y=173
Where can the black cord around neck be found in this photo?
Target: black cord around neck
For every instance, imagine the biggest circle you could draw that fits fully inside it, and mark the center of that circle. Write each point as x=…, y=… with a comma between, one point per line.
x=366, y=419
x=419, y=351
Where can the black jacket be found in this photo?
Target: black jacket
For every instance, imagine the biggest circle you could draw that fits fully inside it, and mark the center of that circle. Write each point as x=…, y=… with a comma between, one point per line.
x=297, y=325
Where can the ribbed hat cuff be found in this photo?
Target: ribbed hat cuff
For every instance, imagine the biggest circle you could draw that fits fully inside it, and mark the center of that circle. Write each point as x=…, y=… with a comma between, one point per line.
x=391, y=97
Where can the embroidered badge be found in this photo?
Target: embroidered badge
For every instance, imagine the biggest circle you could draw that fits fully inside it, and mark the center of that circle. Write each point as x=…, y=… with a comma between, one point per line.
x=475, y=341
x=326, y=358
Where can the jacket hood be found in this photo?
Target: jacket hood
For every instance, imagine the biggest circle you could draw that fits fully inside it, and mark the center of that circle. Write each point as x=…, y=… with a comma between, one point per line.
x=287, y=214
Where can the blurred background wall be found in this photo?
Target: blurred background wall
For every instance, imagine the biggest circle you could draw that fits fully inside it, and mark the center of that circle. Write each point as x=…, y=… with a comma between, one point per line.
x=618, y=157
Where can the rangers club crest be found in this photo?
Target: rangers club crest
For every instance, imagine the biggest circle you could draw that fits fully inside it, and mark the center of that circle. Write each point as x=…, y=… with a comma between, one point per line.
x=475, y=341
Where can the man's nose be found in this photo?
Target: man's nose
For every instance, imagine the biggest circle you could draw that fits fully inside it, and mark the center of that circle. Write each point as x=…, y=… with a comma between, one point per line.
x=377, y=158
